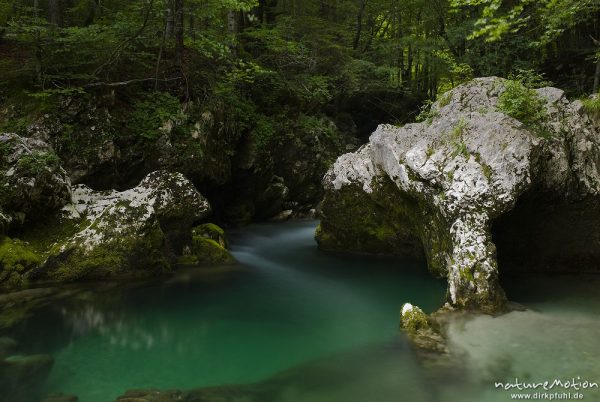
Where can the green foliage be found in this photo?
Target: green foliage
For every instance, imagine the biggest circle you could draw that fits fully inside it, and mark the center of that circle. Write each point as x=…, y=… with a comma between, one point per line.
x=592, y=106
x=427, y=113
x=37, y=162
x=263, y=134
x=456, y=136
x=525, y=105
x=529, y=78
x=152, y=113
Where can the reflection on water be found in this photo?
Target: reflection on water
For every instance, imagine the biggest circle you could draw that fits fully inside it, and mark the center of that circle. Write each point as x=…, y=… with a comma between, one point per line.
x=292, y=305
x=299, y=325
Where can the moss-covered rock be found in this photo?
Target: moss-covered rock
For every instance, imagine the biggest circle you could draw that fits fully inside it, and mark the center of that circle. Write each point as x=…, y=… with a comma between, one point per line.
x=210, y=251
x=421, y=330
x=443, y=183
x=209, y=246
x=137, y=232
x=213, y=232
x=16, y=259
x=32, y=182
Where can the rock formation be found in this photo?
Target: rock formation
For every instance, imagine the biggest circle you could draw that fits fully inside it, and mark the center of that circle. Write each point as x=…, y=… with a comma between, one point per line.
x=441, y=187
x=53, y=231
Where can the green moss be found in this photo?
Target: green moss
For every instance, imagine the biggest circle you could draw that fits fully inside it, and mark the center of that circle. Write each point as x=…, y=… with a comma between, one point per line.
x=209, y=251
x=466, y=274
x=414, y=320
x=134, y=254
x=48, y=235
x=16, y=259
x=211, y=231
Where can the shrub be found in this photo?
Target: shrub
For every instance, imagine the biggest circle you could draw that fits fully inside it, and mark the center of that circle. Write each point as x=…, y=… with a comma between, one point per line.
x=524, y=104
x=592, y=106
x=151, y=112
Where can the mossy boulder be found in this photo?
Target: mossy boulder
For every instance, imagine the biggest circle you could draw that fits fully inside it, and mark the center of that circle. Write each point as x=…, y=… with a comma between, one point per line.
x=438, y=187
x=32, y=182
x=213, y=232
x=421, y=330
x=137, y=232
x=209, y=246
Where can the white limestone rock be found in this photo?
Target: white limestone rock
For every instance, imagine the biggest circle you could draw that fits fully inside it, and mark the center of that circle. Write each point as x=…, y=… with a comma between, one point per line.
x=465, y=167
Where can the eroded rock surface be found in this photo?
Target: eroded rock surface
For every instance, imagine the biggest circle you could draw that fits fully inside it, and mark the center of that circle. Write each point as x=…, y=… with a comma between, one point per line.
x=54, y=231
x=437, y=187
x=141, y=229
x=32, y=182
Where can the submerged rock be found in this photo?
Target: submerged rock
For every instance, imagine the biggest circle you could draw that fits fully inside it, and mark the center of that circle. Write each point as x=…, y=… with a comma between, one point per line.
x=7, y=346
x=22, y=376
x=61, y=398
x=436, y=188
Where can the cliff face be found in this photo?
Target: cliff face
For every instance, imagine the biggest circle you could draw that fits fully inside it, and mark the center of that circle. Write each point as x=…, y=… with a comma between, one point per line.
x=437, y=188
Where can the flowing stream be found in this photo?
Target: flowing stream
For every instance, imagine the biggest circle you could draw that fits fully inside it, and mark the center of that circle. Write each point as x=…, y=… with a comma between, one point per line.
x=300, y=325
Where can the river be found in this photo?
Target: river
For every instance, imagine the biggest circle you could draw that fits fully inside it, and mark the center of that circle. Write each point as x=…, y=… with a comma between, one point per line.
x=307, y=326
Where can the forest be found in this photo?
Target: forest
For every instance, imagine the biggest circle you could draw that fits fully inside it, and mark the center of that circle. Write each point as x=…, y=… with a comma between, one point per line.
x=299, y=200
x=269, y=74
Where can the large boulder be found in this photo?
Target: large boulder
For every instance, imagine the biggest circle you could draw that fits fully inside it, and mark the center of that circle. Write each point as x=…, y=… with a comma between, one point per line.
x=437, y=188
x=133, y=232
x=32, y=182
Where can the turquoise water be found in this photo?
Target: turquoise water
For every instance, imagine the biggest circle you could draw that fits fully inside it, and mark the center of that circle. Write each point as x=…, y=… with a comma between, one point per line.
x=293, y=324
x=291, y=304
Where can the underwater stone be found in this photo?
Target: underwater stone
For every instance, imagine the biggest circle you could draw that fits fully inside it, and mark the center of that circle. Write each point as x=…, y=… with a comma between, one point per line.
x=22, y=376
x=7, y=346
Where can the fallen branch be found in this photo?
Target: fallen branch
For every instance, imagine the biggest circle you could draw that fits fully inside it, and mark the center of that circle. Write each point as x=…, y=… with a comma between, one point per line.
x=123, y=83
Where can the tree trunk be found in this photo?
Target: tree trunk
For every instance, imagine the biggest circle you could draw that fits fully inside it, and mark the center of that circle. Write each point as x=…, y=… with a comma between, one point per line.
x=596, y=77
x=359, y=24
x=170, y=5
x=179, y=34
x=192, y=22
x=233, y=25
x=233, y=28
x=94, y=5
x=55, y=12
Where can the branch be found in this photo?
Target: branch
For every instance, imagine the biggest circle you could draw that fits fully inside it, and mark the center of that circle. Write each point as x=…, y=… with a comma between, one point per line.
x=117, y=51
x=123, y=83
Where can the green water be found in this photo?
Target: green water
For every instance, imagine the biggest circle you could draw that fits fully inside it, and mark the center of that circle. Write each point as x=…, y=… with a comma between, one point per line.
x=291, y=305
x=293, y=324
